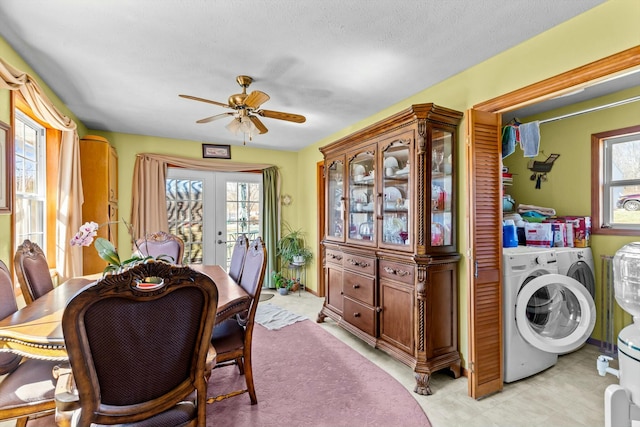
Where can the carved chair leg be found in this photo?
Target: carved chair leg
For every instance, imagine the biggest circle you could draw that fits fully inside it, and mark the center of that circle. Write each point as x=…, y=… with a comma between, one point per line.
x=22, y=422
x=422, y=384
x=248, y=376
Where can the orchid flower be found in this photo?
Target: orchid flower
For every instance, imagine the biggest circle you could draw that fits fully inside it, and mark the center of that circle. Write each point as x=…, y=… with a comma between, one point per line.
x=89, y=230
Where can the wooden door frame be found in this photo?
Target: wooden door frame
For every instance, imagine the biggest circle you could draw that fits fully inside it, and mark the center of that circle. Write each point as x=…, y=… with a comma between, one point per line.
x=320, y=192
x=566, y=82
x=546, y=89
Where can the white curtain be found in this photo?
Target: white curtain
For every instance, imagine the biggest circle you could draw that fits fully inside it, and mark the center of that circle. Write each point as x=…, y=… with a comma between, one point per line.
x=70, y=196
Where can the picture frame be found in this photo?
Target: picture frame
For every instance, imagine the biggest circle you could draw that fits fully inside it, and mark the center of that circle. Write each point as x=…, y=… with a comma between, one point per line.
x=215, y=151
x=6, y=168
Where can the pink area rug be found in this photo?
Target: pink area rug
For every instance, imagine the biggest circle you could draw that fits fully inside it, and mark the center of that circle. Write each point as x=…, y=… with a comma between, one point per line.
x=304, y=377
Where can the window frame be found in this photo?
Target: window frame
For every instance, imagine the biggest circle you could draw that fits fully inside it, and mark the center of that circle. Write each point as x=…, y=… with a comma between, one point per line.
x=53, y=143
x=40, y=195
x=600, y=184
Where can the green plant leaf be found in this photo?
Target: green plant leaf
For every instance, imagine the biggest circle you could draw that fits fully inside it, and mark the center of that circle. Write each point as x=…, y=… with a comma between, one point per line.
x=107, y=251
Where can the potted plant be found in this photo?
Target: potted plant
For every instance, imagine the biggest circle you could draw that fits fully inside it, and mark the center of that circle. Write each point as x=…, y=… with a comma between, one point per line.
x=280, y=282
x=291, y=248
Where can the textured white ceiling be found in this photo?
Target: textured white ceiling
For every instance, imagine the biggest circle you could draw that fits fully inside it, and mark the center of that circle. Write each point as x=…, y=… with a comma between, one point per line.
x=119, y=65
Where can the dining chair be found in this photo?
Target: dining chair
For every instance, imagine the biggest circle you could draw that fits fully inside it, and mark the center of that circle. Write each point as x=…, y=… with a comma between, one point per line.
x=139, y=348
x=232, y=337
x=162, y=244
x=27, y=390
x=32, y=271
x=237, y=257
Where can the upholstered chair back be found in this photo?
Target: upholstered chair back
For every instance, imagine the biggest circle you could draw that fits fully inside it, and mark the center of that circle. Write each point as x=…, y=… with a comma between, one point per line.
x=237, y=257
x=8, y=306
x=162, y=244
x=138, y=350
x=32, y=270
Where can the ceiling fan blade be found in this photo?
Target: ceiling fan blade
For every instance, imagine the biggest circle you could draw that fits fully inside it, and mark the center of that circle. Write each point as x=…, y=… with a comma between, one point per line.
x=256, y=99
x=261, y=127
x=282, y=116
x=195, y=98
x=216, y=117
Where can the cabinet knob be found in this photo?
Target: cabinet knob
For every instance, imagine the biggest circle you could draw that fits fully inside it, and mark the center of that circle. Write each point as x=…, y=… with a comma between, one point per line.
x=356, y=314
x=378, y=309
x=356, y=286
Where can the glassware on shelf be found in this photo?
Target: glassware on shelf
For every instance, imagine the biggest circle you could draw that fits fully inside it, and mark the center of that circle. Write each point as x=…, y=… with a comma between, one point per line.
x=438, y=158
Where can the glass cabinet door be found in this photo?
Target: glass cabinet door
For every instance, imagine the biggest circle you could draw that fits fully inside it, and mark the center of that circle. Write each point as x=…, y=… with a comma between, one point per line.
x=396, y=173
x=335, y=200
x=441, y=188
x=362, y=198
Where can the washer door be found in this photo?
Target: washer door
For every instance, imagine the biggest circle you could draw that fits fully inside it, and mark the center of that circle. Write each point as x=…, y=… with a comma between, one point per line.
x=555, y=313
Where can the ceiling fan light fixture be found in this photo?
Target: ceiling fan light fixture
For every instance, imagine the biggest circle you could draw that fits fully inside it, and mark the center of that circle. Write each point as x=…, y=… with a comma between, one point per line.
x=242, y=124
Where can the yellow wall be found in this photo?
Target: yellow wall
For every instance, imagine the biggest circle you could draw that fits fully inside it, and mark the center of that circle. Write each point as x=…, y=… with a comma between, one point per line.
x=10, y=56
x=602, y=31
x=568, y=189
x=605, y=30
x=127, y=146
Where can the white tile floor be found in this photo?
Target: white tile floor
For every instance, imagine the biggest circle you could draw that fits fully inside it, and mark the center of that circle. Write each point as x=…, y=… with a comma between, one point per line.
x=568, y=394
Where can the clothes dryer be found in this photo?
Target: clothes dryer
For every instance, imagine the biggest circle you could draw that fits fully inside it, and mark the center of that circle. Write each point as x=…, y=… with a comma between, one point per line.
x=577, y=263
x=545, y=313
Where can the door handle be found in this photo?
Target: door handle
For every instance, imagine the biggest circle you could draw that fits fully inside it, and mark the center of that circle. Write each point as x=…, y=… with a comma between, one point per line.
x=221, y=241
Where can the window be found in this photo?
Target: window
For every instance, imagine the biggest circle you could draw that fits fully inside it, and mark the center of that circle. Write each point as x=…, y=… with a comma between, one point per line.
x=37, y=152
x=615, y=186
x=30, y=181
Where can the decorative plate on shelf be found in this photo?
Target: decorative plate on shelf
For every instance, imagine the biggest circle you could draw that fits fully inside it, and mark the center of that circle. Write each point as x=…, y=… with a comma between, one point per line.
x=359, y=195
x=392, y=194
x=391, y=162
x=403, y=172
x=359, y=170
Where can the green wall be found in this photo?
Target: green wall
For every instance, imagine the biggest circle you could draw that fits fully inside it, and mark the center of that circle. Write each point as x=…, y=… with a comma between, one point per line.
x=568, y=189
x=600, y=32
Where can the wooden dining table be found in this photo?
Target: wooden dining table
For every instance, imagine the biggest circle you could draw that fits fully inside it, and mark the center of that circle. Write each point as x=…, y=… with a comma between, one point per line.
x=35, y=331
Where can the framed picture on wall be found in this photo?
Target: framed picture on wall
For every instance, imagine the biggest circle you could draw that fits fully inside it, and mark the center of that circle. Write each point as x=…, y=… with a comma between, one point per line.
x=6, y=168
x=213, y=151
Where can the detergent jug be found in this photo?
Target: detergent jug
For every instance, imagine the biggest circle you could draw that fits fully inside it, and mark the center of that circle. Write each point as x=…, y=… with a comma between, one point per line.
x=509, y=234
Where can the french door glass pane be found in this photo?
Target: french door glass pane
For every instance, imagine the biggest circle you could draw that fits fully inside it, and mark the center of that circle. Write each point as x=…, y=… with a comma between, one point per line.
x=185, y=215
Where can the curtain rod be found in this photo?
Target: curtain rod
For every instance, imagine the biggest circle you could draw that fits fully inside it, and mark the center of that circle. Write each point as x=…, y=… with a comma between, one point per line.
x=589, y=110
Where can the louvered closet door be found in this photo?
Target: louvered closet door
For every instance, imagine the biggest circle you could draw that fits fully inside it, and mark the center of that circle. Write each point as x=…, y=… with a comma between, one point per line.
x=485, y=295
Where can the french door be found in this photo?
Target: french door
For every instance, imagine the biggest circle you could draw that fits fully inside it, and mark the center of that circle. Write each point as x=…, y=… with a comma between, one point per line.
x=209, y=209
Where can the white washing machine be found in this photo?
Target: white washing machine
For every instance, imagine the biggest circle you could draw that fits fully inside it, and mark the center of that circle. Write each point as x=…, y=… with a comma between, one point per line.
x=545, y=313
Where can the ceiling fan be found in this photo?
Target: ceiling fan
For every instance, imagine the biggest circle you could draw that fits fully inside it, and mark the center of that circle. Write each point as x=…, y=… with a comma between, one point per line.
x=247, y=109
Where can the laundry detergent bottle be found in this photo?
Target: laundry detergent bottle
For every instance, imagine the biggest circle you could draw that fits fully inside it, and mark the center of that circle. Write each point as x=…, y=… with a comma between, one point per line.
x=509, y=234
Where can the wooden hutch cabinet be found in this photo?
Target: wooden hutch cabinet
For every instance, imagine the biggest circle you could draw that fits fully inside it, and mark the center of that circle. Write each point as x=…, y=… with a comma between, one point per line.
x=99, y=164
x=389, y=258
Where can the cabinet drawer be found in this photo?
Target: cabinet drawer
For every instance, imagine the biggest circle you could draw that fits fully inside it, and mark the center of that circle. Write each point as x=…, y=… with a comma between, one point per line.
x=359, y=287
x=334, y=257
x=360, y=316
x=397, y=271
x=359, y=263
